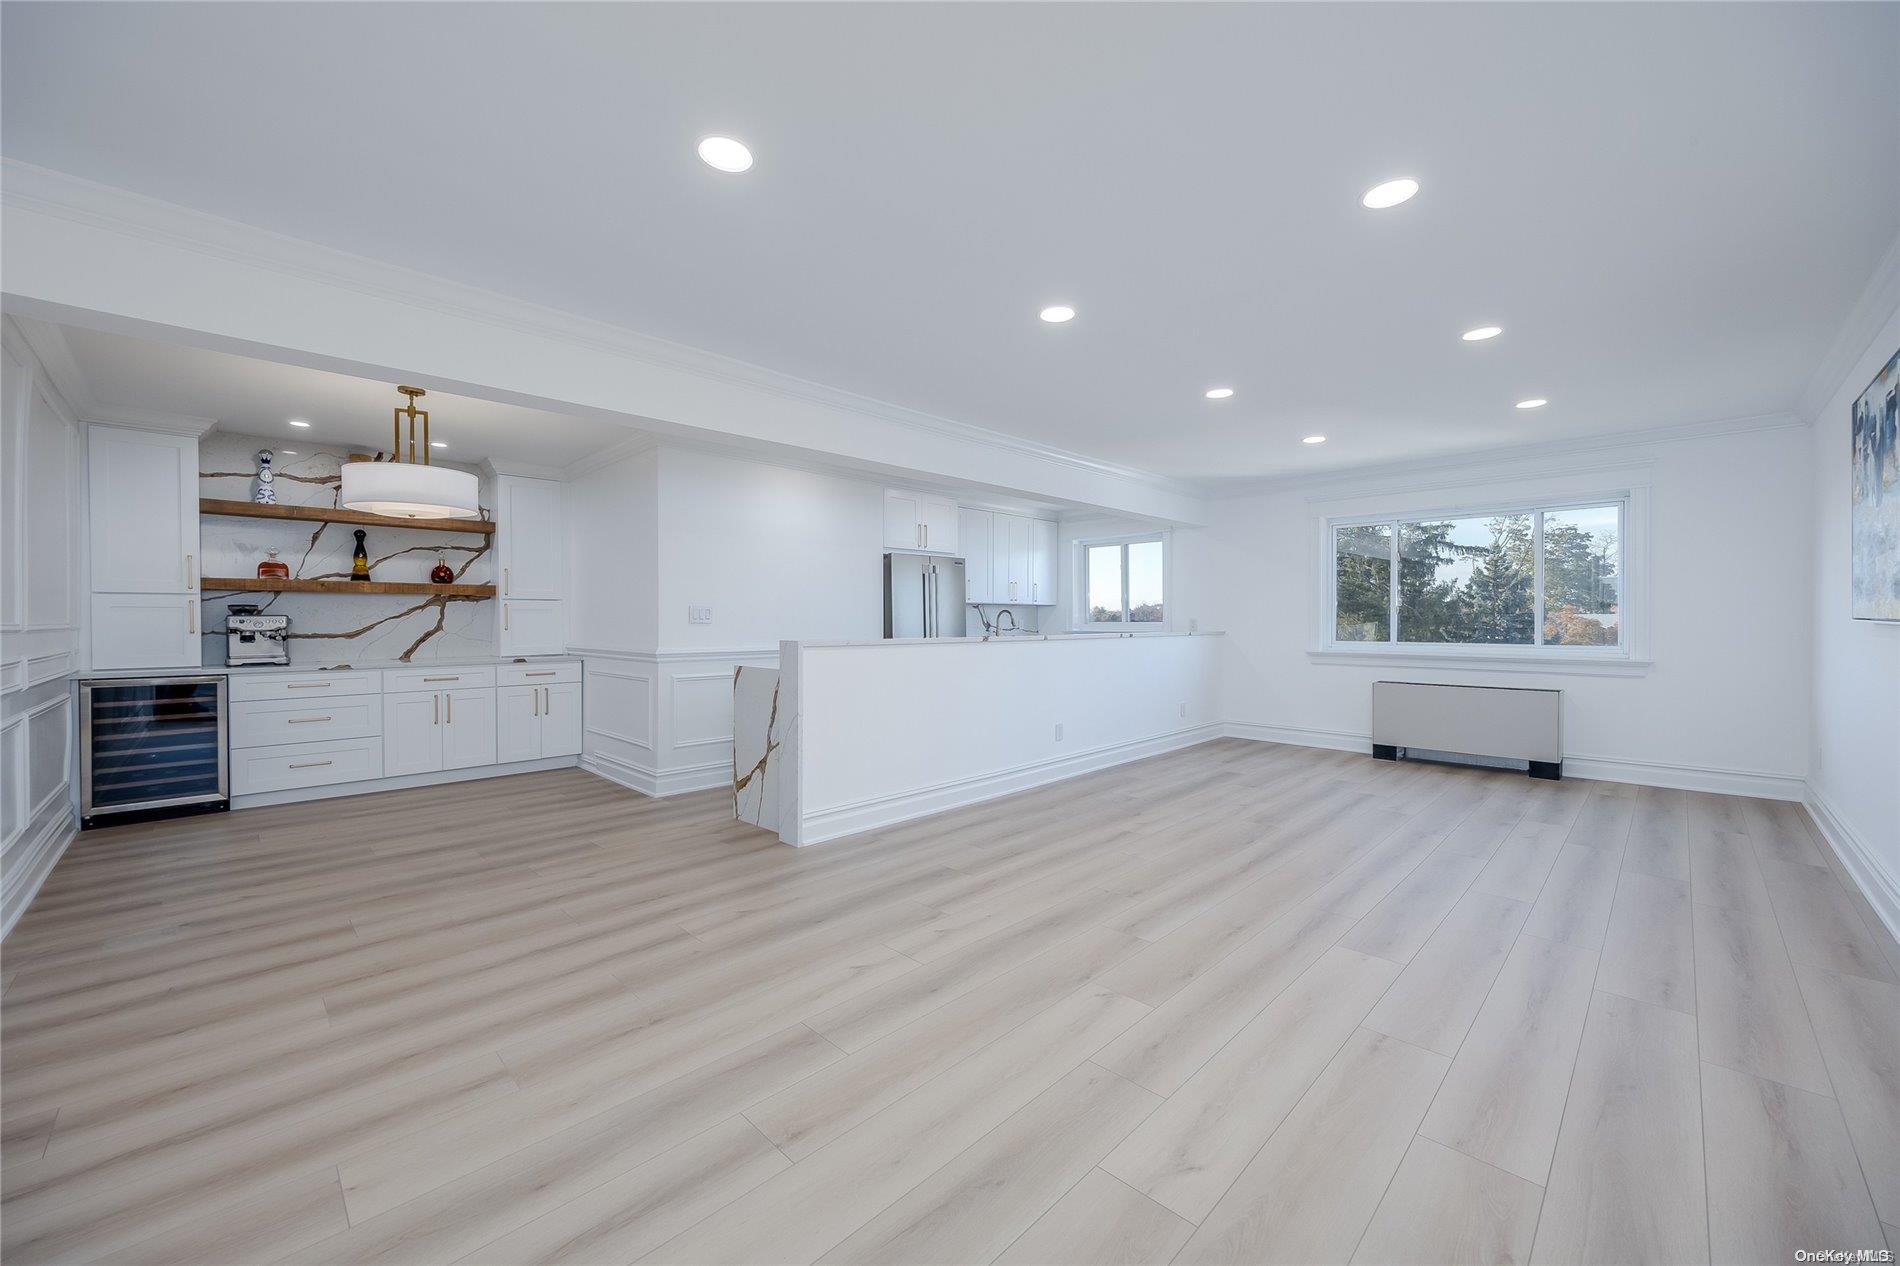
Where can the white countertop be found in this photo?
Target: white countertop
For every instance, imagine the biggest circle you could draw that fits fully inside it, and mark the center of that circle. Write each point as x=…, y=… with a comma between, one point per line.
x=362, y=666
x=1007, y=638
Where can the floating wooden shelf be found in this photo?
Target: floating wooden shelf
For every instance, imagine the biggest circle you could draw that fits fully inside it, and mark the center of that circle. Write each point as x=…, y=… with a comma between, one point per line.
x=251, y=584
x=329, y=514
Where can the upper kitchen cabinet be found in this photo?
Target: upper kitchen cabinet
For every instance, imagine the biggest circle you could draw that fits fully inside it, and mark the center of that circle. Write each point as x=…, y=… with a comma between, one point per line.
x=973, y=533
x=142, y=506
x=916, y=521
x=1022, y=560
x=144, y=500
x=530, y=538
x=531, y=564
x=1042, y=562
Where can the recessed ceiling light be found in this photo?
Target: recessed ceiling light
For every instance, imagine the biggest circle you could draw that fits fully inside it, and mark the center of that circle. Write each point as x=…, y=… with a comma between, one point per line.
x=1482, y=333
x=725, y=154
x=1057, y=313
x=437, y=444
x=300, y=423
x=1219, y=393
x=1314, y=439
x=1532, y=404
x=1389, y=194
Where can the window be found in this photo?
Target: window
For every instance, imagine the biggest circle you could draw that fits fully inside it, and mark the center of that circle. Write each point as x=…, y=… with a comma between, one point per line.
x=1122, y=582
x=1535, y=577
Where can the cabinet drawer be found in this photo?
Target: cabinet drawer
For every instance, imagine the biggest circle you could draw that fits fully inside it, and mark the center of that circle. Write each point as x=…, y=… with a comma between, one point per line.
x=303, y=685
x=268, y=722
x=540, y=674
x=284, y=768
x=404, y=680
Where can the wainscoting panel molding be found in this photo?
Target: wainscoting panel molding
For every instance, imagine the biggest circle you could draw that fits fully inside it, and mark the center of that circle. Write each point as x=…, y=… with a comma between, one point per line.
x=660, y=722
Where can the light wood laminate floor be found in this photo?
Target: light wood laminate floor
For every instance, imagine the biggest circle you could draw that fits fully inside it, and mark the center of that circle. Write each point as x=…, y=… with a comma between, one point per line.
x=1240, y=1003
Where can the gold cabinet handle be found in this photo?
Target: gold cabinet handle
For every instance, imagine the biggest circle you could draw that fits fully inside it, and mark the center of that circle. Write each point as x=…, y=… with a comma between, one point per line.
x=190, y=572
x=536, y=696
x=306, y=720
x=507, y=585
x=546, y=674
x=308, y=685
x=504, y=617
x=429, y=679
x=449, y=702
x=437, y=701
x=191, y=616
x=313, y=764
x=547, y=702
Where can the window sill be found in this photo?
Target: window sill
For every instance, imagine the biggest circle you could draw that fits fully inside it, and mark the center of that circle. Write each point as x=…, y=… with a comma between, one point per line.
x=1544, y=662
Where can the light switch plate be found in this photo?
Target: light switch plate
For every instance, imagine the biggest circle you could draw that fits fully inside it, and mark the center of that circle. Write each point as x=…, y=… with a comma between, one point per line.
x=699, y=615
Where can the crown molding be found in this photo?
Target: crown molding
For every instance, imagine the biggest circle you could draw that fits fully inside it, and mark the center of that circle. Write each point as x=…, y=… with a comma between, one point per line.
x=1869, y=315
x=1325, y=486
x=62, y=196
x=149, y=420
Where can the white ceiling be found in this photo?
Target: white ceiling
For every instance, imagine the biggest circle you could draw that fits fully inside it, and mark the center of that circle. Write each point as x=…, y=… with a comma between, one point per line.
x=1670, y=208
x=258, y=397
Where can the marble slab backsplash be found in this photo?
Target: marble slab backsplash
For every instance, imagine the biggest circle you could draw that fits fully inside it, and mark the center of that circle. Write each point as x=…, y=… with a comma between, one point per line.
x=327, y=629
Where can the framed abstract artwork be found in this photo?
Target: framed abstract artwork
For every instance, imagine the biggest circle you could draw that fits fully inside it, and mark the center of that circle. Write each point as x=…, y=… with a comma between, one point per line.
x=1874, y=513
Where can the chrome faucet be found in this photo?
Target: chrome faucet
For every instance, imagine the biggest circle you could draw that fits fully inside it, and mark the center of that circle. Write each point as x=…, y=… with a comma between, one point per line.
x=1013, y=627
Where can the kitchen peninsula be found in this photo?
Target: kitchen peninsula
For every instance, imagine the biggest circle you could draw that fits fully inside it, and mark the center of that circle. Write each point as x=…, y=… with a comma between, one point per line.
x=849, y=735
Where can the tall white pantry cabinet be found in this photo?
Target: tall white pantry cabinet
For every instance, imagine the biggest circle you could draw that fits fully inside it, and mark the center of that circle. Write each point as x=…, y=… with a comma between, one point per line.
x=142, y=499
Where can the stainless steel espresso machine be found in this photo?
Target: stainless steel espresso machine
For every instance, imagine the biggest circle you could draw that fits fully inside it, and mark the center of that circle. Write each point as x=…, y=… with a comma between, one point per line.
x=251, y=638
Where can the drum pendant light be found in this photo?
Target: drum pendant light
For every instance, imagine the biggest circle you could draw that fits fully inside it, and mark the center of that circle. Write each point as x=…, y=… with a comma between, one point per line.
x=411, y=489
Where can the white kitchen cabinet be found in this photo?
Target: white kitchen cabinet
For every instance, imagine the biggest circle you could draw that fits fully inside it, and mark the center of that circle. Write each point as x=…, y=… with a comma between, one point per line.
x=1009, y=558
x=412, y=734
x=468, y=728
x=1042, y=562
x=143, y=494
x=145, y=630
x=424, y=732
x=530, y=538
x=915, y=521
x=142, y=499
x=974, y=529
x=517, y=723
x=533, y=627
x=539, y=721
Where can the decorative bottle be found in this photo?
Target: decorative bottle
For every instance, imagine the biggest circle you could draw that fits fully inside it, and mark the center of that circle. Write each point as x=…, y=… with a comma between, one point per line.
x=359, y=558
x=442, y=573
x=273, y=568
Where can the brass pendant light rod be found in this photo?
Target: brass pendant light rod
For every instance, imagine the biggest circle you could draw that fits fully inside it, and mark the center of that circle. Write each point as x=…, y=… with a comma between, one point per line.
x=412, y=413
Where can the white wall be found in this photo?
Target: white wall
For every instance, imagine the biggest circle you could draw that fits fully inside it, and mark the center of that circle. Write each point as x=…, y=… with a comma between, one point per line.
x=1724, y=705
x=889, y=732
x=41, y=575
x=613, y=553
x=1854, y=759
x=779, y=554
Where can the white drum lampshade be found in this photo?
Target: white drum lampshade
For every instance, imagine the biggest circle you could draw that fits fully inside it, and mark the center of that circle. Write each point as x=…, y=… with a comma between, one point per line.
x=410, y=490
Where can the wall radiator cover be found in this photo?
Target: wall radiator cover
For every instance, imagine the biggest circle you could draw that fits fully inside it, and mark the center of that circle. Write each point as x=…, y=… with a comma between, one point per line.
x=1507, y=722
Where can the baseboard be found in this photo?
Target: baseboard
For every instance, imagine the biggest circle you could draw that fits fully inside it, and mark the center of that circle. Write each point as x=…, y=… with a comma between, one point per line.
x=38, y=850
x=402, y=782
x=1879, y=885
x=659, y=783
x=1728, y=782
x=868, y=815
x=1335, y=740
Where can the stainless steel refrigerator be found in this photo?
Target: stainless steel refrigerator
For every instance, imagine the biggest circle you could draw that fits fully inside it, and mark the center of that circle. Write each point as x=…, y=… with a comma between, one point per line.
x=924, y=596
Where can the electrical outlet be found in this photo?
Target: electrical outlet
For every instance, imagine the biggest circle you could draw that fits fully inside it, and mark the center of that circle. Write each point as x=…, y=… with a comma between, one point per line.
x=699, y=615
x=1194, y=626
x=1058, y=731
x=1184, y=710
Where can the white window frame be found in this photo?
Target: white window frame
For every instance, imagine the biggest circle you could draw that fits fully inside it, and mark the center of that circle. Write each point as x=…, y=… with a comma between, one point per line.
x=1630, y=657
x=1081, y=618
